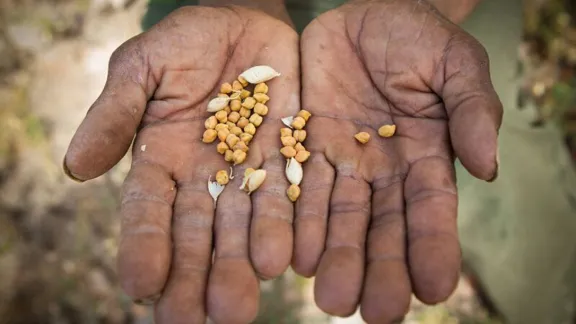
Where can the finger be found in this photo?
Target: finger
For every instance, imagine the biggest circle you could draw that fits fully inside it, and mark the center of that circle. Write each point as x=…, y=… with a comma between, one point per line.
x=183, y=298
x=341, y=270
x=145, y=248
x=233, y=291
x=311, y=220
x=387, y=290
x=433, y=249
x=474, y=109
x=106, y=132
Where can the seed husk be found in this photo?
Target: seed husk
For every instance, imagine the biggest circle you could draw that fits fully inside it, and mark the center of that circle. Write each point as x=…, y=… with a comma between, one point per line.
x=211, y=122
x=293, y=192
x=209, y=136
x=222, y=147
x=387, y=130
x=285, y=132
x=249, y=103
x=226, y=88
x=288, y=140
x=298, y=123
x=302, y=156
x=215, y=189
x=256, y=119
x=217, y=104
x=362, y=137
x=261, y=88
x=300, y=135
x=294, y=172
x=222, y=177
x=259, y=74
x=223, y=134
x=288, y=121
x=304, y=114
x=239, y=157
x=253, y=180
x=242, y=122
x=288, y=152
x=261, y=109
x=261, y=98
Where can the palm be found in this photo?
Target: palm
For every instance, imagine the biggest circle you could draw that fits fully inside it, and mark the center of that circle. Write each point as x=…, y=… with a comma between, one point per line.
x=377, y=221
x=160, y=83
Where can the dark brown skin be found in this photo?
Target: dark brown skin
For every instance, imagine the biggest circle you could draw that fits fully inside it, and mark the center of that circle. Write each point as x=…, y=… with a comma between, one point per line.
x=376, y=222
x=158, y=88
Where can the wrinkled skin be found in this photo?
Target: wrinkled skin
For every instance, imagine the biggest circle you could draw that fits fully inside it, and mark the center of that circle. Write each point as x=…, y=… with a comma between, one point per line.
x=158, y=88
x=377, y=222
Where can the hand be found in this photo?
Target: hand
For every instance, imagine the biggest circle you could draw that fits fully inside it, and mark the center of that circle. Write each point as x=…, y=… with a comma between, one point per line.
x=158, y=88
x=378, y=221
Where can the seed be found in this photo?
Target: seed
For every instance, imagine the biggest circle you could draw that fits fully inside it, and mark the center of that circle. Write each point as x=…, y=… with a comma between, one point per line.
x=230, y=125
x=259, y=74
x=387, y=130
x=220, y=127
x=246, y=138
x=222, y=116
x=261, y=109
x=241, y=146
x=252, y=180
x=242, y=122
x=231, y=140
x=239, y=157
x=299, y=147
x=288, y=140
x=226, y=88
x=285, y=132
x=294, y=172
x=237, y=86
x=261, y=88
x=223, y=134
x=248, y=171
x=288, y=152
x=293, y=192
x=217, y=104
x=211, y=122
x=236, y=130
x=304, y=114
x=242, y=81
x=222, y=177
x=222, y=95
x=229, y=156
x=215, y=189
x=302, y=156
x=298, y=123
x=299, y=134
x=233, y=116
x=227, y=109
x=235, y=95
x=249, y=103
x=235, y=105
x=260, y=97
x=250, y=129
x=245, y=94
x=256, y=120
x=221, y=147
x=362, y=137
x=245, y=112
x=209, y=136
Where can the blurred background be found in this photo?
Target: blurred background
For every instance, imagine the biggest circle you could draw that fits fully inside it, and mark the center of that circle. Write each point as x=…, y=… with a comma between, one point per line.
x=58, y=239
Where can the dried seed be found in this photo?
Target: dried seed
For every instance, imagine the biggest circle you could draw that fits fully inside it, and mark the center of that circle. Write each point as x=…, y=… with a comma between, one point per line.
x=236, y=95
x=288, y=140
x=302, y=156
x=227, y=109
x=250, y=129
x=231, y=140
x=239, y=157
x=226, y=88
x=256, y=120
x=304, y=114
x=222, y=116
x=245, y=94
x=245, y=112
x=285, y=132
x=215, y=189
x=299, y=147
x=242, y=122
x=259, y=74
x=229, y=156
x=243, y=81
x=235, y=105
x=246, y=138
x=221, y=147
x=236, y=131
x=293, y=192
x=298, y=123
x=209, y=136
x=230, y=125
x=261, y=109
x=248, y=171
x=294, y=172
x=249, y=103
x=220, y=127
x=237, y=86
x=288, y=121
x=387, y=130
x=261, y=88
x=222, y=177
x=260, y=97
x=223, y=134
x=288, y=152
x=217, y=104
x=233, y=117
x=362, y=137
x=300, y=135
x=241, y=146
x=211, y=122
x=222, y=95
x=253, y=180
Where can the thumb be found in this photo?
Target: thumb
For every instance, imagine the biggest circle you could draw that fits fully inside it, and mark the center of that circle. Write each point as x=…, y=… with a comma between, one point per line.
x=107, y=131
x=473, y=107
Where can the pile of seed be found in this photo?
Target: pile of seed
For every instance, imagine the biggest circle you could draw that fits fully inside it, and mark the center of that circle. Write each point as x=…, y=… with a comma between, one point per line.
x=292, y=138
x=383, y=131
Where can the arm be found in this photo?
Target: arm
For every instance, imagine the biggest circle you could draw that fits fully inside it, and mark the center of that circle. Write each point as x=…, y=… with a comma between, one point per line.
x=455, y=10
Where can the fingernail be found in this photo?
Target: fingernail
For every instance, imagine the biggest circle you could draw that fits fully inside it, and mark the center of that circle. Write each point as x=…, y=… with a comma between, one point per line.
x=497, y=167
x=148, y=300
x=69, y=173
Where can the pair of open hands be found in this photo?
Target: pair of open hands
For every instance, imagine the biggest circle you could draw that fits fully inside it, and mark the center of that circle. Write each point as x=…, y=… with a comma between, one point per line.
x=374, y=223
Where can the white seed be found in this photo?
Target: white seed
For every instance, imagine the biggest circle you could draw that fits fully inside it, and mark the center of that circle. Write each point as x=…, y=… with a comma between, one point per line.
x=294, y=172
x=288, y=121
x=143, y=148
x=260, y=73
x=215, y=189
x=253, y=181
x=217, y=104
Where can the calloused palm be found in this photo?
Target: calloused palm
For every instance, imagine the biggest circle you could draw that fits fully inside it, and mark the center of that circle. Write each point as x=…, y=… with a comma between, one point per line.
x=158, y=87
x=378, y=221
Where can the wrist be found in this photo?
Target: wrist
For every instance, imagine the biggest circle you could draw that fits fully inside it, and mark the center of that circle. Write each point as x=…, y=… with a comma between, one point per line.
x=274, y=8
